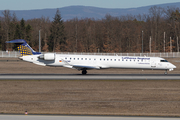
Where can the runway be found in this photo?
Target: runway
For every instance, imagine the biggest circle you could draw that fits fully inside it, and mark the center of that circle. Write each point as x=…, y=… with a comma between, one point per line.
x=54, y=117
x=89, y=77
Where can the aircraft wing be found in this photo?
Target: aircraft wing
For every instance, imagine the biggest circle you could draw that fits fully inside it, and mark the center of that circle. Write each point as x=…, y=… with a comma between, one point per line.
x=81, y=67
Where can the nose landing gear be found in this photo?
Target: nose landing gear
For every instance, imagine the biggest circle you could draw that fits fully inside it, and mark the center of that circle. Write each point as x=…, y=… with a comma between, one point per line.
x=165, y=73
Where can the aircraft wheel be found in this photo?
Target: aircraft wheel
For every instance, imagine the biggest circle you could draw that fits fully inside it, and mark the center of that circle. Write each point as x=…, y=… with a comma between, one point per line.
x=166, y=72
x=84, y=72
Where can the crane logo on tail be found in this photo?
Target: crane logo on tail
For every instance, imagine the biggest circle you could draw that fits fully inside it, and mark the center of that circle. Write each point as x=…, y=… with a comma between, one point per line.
x=24, y=50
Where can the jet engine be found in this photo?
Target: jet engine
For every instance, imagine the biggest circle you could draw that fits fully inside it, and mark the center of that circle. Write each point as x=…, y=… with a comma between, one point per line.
x=48, y=56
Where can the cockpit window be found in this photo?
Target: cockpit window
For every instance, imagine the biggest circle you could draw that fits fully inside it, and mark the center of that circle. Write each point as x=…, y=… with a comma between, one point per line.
x=164, y=61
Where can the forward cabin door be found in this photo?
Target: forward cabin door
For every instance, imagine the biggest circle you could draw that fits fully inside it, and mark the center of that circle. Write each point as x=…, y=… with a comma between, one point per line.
x=153, y=64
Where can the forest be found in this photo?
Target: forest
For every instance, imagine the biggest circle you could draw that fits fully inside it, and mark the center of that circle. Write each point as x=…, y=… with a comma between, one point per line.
x=157, y=31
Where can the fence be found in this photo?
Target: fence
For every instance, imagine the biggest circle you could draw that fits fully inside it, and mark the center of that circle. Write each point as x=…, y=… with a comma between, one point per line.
x=13, y=54
x=168, y=54
x=16, y=54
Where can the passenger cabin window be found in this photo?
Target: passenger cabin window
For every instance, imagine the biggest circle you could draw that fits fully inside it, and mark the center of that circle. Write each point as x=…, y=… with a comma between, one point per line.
x=164, y=61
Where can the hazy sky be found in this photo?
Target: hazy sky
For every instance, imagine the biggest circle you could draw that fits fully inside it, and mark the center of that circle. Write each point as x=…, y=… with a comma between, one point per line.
x=41, y=4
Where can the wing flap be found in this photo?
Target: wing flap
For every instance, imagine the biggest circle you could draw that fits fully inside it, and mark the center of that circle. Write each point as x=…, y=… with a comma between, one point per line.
x=68, y=66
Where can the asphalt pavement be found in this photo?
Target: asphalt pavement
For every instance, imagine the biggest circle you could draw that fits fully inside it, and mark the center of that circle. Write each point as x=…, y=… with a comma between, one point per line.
x=55, y=117
x=89, y=77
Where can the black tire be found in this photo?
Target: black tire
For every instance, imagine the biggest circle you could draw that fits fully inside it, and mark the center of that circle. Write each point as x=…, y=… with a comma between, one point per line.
x=84, y=72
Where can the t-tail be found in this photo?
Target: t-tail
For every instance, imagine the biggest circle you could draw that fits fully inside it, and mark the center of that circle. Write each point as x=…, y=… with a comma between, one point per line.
x=23, y=47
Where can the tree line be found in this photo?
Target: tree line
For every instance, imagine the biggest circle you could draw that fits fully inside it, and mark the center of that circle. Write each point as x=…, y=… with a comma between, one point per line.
x=157, y=31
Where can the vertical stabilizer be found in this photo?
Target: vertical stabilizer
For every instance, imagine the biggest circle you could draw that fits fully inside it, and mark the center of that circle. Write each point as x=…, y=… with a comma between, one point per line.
x=23, y=47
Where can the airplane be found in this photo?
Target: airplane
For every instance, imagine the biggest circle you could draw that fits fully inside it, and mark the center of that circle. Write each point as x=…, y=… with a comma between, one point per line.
x=88, y=62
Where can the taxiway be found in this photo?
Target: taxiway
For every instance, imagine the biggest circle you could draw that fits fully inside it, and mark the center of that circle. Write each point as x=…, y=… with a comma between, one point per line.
x=51, y=117
x=89, y=77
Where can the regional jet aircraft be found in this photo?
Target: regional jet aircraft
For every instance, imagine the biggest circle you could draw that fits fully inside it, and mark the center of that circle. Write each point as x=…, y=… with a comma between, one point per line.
x=87, y=62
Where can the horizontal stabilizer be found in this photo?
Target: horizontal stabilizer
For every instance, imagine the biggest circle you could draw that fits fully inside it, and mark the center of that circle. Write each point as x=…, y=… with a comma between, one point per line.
x=17, y=41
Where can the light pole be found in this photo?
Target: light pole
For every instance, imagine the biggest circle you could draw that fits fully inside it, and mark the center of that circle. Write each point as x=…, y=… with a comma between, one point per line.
x=142, y=41
x=39, y=40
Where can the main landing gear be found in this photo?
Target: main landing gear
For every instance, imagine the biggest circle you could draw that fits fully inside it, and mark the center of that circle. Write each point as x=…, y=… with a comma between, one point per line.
x=84, y=72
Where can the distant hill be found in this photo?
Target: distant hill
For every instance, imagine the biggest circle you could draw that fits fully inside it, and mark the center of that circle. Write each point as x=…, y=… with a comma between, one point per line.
x=84, y=12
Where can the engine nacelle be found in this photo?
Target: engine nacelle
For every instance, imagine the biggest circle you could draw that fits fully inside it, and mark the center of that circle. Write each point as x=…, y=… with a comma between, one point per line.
x=48, y=56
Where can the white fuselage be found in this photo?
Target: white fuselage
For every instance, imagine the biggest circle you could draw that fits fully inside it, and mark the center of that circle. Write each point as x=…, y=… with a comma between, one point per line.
x=81, y=62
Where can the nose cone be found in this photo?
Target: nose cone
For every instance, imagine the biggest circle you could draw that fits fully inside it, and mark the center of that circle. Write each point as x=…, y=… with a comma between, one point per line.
x=173, y=66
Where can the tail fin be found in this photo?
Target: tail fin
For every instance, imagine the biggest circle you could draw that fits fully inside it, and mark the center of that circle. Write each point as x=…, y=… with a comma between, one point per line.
x=23, y=47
